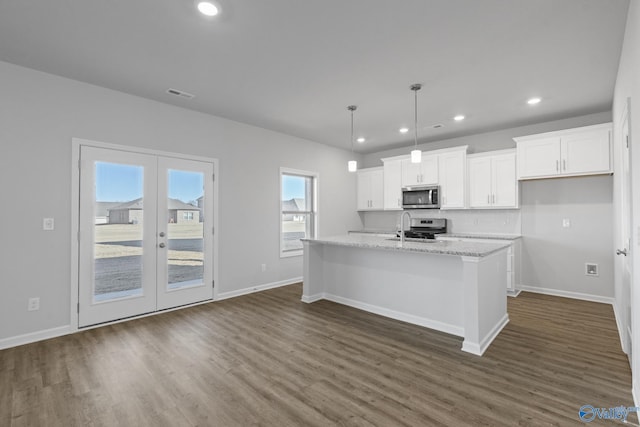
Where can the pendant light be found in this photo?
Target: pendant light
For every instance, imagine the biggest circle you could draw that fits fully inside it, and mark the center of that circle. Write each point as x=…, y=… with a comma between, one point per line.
x=416, y=155
x=352, y=164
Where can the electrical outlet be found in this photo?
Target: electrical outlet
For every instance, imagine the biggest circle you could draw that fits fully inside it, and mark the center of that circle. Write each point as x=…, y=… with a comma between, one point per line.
x=591, y=269
x=47, y=224
x=264, y=267
x=566, y=223
x=33, y=304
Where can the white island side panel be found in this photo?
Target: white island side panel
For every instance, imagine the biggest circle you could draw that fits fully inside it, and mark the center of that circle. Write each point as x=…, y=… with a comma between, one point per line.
x=419, y=288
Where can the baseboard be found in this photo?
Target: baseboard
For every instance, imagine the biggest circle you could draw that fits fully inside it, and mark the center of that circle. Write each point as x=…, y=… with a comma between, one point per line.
x=479, y=348
x=514, y=293
x=567, y=294
x=621, y=330
x=415, y=320
x=35, y=336
x=257, y=288
x=312, y=298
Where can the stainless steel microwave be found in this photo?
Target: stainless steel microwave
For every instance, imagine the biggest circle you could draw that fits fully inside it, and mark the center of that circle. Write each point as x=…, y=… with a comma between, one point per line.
x=421, y=197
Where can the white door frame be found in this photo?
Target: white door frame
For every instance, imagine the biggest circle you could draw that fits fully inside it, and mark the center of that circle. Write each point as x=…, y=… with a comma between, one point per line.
x=76, y=143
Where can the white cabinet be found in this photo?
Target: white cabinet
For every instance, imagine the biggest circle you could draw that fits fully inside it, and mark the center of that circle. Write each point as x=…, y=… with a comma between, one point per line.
x=571, y=152
x=492, y=180
x=392, y=184
x=452, y=173
x=514, y=256
x=423, y=173
x=370, y=189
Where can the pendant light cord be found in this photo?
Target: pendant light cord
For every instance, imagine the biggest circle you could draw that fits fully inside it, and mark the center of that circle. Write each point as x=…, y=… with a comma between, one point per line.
x=352, y=108
x=415, y=88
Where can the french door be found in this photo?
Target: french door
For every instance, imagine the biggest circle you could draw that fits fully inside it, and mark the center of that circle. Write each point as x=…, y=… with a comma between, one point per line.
x=146, y=226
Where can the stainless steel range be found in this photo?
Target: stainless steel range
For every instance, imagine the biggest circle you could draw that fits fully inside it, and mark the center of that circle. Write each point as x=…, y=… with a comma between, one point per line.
x=425, y=228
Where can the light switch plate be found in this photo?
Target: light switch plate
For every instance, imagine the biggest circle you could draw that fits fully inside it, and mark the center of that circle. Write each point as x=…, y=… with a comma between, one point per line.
x=48, y=224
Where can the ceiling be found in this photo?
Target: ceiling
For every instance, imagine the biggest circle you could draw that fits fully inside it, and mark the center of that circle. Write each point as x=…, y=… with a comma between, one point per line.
x=294, y=66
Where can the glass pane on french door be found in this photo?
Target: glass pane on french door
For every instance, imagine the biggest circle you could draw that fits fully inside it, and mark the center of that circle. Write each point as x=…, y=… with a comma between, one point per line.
x=118, y=235
x=185, y=228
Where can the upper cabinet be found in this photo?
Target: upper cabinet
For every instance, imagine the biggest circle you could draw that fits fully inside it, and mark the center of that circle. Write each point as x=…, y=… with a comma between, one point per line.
x=571, y=152
x=451, y=177
x=370, y=189
x=492, y=180
x=424, y=173
x=392, y=184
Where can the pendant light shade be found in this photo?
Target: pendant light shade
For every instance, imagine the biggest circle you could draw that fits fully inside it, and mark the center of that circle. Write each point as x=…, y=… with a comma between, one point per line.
x=352, y=165
x=416, y=155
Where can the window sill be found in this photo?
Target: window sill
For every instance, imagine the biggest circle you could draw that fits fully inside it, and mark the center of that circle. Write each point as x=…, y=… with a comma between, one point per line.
x=291, y=254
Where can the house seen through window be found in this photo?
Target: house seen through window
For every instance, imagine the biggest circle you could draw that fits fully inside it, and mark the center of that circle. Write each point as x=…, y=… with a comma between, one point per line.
x=298, y=210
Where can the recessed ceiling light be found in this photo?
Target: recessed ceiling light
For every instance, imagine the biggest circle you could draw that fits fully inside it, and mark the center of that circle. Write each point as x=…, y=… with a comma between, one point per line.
x=360, y=140
x=458, y=117
x=404, y=130
x=534, y=101
x=207, y=8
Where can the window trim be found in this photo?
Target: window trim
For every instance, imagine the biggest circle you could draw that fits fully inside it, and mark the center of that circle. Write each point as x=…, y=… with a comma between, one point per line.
x=313, y=212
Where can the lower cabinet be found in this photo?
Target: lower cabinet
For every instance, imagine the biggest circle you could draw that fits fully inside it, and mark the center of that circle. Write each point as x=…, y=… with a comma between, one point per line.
x=370, y=189
x=514, y=257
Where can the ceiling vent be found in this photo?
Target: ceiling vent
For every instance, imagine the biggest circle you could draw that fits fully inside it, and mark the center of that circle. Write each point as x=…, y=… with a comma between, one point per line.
x=180, y=93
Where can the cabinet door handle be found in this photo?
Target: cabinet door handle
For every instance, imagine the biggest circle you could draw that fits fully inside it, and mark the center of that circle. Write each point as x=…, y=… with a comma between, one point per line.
x=488, y=199
x=493, y=199
x=557, y=166
x=564, y=165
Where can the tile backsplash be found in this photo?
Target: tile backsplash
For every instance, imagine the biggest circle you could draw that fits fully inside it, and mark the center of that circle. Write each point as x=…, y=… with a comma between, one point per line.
x=501, y=221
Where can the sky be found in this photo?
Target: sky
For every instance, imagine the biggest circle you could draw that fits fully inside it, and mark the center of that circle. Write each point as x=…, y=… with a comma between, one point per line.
x=123, y=183
x=292, y=187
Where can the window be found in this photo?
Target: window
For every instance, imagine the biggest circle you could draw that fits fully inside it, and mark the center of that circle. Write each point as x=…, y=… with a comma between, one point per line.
x=298, y=214
x=187, y=216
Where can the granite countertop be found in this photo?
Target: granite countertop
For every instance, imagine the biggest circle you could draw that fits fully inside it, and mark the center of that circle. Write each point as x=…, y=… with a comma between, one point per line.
x=483, y=236
x=374, y=231
x=438, y=247
x=467, y=235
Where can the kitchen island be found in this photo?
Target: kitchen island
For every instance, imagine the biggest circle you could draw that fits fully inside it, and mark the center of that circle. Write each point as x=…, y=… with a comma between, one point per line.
x=451, y=286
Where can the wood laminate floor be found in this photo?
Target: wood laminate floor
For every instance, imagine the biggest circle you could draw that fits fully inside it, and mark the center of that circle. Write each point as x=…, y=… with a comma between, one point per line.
x=269, y=359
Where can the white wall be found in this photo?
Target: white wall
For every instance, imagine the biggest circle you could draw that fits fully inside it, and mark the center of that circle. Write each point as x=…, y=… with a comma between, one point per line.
x=41, y=113
x=553, y=256
x=628, y=86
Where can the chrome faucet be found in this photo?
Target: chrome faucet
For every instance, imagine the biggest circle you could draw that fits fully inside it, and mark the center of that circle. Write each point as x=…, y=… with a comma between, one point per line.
x=402, y=225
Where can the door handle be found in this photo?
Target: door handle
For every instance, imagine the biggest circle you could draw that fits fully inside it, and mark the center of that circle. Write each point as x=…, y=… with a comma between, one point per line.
x=564, y=165
x=161, y=234
x=621, y=252
x=162, y=245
